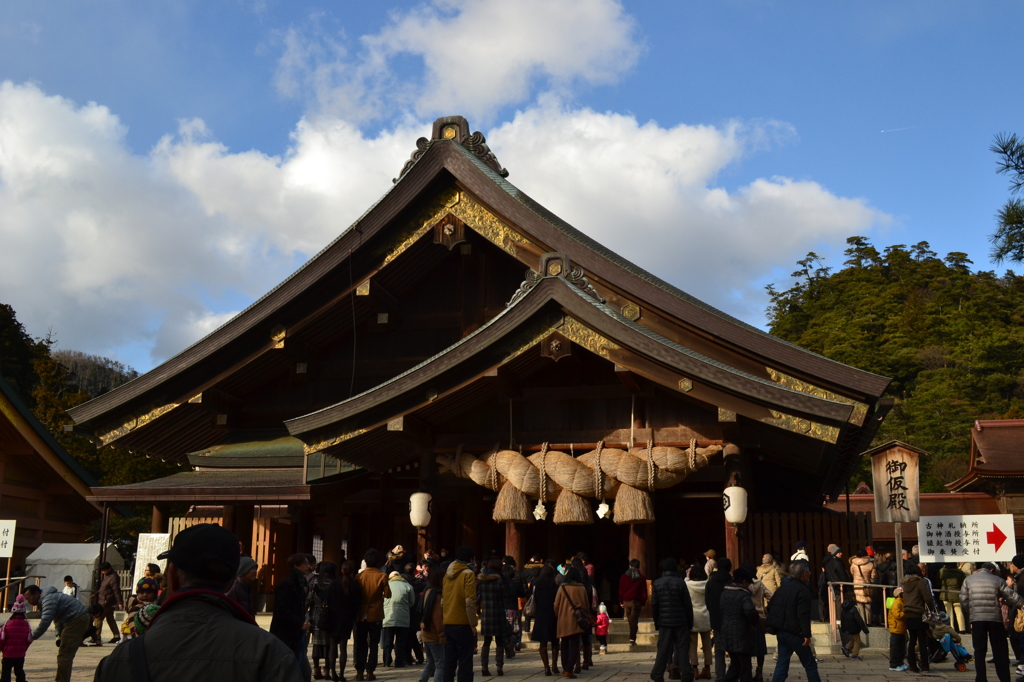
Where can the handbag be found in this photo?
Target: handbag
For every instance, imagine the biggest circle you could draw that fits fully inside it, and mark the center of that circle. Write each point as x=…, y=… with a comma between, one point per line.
x=530, y=608
x=584, y=620
x=1018, y=621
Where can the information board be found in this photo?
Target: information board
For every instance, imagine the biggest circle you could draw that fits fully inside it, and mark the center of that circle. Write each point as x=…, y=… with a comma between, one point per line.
x=150, y=546
x=975, y=538
x=7, y=539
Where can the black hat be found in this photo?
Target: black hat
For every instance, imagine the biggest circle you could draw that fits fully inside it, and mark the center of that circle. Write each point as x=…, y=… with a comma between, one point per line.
x=203, y=549
x=801, y=545
x=1018, y=561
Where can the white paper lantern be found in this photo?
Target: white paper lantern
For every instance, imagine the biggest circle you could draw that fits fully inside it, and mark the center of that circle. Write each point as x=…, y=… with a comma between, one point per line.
x=419, y=509
x=734, y=499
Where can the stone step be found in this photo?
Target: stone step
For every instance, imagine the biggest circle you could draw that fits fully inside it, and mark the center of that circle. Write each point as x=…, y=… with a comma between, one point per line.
x=612, y=648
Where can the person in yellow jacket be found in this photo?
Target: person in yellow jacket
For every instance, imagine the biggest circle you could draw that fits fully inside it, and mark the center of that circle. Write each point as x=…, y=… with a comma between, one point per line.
x=458, y=604
x=897, y=620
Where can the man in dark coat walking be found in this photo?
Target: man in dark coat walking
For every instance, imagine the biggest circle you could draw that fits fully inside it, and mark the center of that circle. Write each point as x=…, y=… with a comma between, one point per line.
x=789, y=619
x=109, y=597
x=673, y=618
x=738, y=617
x=289, y=623
x=717, y=582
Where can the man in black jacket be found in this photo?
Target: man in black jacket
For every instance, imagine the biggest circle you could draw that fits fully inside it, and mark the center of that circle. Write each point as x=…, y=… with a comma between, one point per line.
x=289, y=622
x=717, y=581
x=673, y=618
x=789, y=619
x=836, y=572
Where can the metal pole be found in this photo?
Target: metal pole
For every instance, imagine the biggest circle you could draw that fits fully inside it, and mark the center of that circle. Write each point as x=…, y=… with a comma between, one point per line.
x=104, y=532
x=7, y=585
x=899, y=553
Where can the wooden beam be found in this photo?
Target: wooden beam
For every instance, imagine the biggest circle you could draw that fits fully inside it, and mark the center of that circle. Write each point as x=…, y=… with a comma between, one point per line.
x=412, y=429
x=628, y=379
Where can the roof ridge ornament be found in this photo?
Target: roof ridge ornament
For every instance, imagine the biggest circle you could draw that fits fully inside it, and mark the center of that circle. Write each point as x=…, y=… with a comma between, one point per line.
x=455, y=129
x=555, y=264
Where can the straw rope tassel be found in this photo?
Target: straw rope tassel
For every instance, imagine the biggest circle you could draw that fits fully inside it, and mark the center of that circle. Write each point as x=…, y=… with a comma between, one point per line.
x=627, y=476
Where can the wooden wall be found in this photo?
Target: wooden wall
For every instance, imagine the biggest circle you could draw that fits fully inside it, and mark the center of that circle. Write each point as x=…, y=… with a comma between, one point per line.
x=767, y=532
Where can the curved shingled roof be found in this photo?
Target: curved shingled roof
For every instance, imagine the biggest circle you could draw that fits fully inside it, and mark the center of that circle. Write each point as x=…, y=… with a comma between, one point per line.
x=476, y=176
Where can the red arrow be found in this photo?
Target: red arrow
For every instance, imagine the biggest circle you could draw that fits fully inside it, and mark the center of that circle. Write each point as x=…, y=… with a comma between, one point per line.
x=995, y=537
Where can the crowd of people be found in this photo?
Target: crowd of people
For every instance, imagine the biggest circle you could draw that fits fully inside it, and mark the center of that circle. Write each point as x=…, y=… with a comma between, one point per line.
x=451, y=616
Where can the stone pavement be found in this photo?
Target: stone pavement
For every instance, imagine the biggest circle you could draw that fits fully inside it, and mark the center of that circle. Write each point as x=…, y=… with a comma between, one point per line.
x=40, y=664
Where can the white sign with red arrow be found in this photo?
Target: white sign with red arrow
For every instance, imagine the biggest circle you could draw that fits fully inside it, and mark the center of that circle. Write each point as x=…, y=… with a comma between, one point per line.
x=978, y=537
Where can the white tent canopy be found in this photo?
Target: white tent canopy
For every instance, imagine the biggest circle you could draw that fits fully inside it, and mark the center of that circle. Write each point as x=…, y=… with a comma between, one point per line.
x=79, y=560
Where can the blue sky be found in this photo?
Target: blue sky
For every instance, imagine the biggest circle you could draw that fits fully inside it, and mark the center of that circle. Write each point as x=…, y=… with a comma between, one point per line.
x=230, y=140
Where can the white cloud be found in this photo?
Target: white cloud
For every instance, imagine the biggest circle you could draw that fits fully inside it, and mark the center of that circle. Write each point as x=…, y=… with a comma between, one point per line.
x=116, y=250
x=477, y=56
x=111, y=249
x=649, y=194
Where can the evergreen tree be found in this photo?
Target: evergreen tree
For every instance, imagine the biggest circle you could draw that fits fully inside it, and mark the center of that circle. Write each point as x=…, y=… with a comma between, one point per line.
x=1008, y=239
x=951, y=339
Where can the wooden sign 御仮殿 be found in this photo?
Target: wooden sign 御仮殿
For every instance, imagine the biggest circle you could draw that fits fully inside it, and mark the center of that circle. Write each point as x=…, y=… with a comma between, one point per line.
x=896, y=472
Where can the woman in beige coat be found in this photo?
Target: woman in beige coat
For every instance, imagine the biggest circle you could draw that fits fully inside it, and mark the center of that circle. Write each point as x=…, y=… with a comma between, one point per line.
x=864, y=572
x=571, y=595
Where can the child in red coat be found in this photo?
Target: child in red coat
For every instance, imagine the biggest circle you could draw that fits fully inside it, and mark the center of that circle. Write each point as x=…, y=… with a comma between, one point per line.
x=601, y=629
x=15, y=636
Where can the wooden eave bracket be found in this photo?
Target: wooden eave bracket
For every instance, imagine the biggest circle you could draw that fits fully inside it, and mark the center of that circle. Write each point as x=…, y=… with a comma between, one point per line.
x=412, y=429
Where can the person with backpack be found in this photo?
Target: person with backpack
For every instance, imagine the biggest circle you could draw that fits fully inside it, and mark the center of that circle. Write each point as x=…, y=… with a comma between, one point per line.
x=851, y=623
x=15, y=638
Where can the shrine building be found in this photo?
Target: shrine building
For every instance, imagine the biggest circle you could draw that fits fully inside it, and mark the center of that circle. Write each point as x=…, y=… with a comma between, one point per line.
x=461, y=340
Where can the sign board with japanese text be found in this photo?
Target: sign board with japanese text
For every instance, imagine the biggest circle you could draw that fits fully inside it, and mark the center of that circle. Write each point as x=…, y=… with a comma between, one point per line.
x=895, y=472
x=975, y=538
x=7, y=539
x=150, y=546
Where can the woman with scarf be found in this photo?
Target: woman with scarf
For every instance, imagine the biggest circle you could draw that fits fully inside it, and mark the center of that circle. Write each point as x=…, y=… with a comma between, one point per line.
x=633, y=596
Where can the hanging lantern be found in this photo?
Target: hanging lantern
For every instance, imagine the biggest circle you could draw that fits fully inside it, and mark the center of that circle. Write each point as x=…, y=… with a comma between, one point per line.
x=419, y=509
x=734, y=500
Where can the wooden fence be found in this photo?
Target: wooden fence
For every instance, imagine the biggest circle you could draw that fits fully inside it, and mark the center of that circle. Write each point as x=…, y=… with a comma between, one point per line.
x=777, y=532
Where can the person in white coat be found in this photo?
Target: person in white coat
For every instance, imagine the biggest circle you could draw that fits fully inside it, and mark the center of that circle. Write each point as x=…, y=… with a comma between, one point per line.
x=696, y=583
x=801, y=553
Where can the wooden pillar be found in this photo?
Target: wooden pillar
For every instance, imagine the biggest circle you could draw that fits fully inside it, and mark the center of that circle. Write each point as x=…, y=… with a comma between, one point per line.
x=227, y=516
x=737, y=470
x=159, y=522
x=641, y=546
x=386, y=538
x=333, y=529
x=245, y=515
x=514, y=543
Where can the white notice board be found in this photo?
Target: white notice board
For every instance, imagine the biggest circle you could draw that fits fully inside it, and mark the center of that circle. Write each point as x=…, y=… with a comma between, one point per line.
x=7, y=539
x=150, y=546
x=975, y=538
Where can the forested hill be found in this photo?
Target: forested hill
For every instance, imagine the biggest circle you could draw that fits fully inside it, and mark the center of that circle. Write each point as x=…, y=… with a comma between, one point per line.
x=951, y=339
x=51, y=382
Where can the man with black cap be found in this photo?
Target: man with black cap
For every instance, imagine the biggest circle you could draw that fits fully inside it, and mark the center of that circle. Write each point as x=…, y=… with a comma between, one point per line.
x=198, y=633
